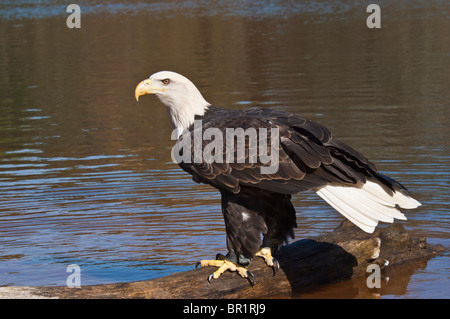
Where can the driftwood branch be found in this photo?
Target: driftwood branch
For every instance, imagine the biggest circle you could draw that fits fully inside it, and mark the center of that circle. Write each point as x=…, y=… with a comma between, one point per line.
x=338, y=256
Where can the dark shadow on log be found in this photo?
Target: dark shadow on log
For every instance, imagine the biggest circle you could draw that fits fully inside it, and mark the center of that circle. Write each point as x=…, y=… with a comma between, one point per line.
x=302, y=263
x=306, y=264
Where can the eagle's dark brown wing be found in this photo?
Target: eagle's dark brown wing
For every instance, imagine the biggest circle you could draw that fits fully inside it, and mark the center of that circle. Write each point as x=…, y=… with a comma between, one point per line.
x=308, y=156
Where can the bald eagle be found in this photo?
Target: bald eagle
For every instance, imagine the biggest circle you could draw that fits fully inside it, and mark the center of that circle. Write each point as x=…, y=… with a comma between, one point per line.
x=257, y=208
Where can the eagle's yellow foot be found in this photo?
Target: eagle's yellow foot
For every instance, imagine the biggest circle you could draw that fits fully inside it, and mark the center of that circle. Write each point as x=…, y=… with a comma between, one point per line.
x=270, y=261
x=224, y=265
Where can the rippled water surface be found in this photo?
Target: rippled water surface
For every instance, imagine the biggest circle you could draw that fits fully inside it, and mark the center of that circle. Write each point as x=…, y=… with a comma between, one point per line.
x=85, y=171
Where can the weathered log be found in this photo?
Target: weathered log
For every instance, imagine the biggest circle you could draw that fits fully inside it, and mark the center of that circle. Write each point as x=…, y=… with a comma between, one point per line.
x=340, y=255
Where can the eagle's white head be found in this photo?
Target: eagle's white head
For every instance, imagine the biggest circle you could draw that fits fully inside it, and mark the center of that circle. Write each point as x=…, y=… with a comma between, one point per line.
x=180, y=96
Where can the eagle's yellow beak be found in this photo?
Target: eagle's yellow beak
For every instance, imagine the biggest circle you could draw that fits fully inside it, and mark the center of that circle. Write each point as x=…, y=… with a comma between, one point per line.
x=143, y=88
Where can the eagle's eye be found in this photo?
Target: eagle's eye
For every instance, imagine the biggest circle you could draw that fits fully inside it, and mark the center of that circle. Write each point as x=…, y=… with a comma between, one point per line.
x=165, y=81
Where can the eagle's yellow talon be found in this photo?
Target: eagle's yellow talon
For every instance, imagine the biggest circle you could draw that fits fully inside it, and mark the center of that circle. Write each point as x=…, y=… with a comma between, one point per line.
x=268, y=258
x=210, y=263
x=224, y=265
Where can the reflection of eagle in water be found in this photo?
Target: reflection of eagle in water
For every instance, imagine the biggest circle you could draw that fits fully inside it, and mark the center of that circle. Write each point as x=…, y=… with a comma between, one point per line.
x=258, y=213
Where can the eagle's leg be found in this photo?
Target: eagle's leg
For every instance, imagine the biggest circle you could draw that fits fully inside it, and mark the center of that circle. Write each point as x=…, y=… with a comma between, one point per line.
x=228, y=262
x=266, y=253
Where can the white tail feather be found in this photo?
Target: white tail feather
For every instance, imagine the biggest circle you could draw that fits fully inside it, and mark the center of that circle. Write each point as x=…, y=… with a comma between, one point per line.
x=367, y=204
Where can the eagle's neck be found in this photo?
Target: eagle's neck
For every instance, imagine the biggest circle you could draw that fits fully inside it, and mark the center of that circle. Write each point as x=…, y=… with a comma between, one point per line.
x=184, y=108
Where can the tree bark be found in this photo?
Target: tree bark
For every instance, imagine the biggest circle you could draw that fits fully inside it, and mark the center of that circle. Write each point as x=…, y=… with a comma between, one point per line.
x=337, y=256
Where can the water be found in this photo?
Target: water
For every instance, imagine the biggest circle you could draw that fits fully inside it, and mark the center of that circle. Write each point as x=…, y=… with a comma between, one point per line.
x=85, y=172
